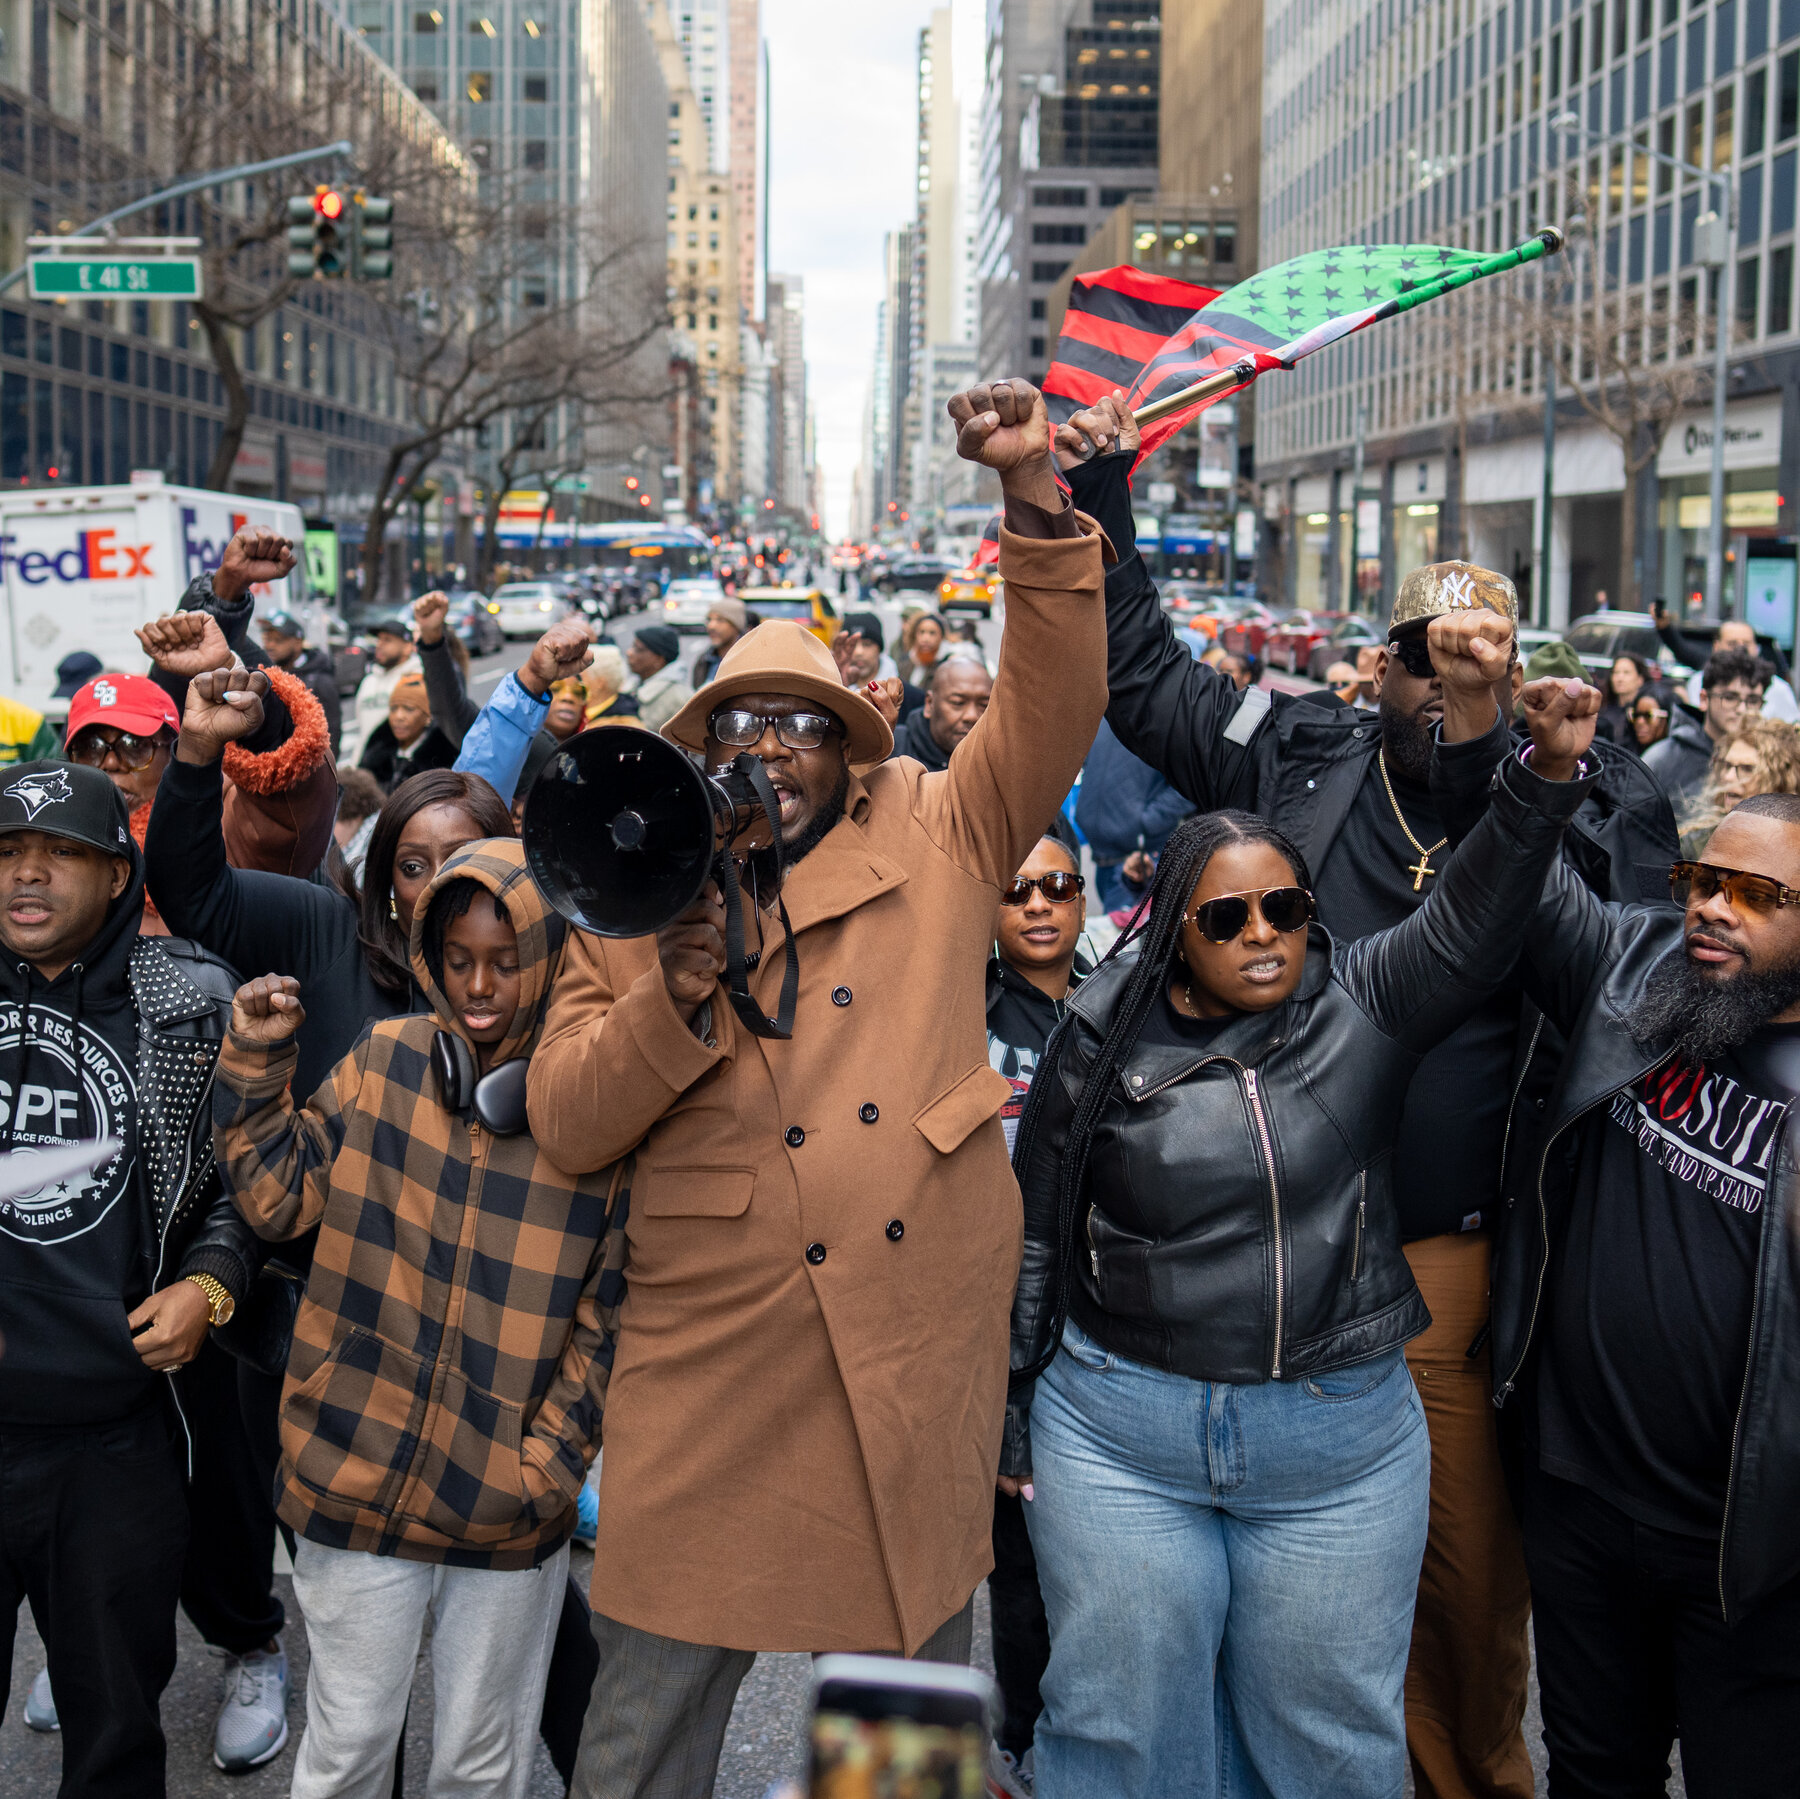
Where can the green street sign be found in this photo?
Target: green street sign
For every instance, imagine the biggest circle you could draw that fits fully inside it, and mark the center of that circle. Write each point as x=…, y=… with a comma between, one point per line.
x=114, y=277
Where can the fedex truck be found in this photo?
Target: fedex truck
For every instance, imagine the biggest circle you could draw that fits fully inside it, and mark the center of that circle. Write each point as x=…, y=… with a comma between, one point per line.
x=82, y=567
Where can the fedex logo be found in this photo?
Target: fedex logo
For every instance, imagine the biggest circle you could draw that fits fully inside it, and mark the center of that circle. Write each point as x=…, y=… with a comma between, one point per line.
x=201, y=555
x=94, y=556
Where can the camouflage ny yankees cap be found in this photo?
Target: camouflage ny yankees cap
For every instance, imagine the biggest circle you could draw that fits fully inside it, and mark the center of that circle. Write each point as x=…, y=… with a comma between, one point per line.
x=1440, y=588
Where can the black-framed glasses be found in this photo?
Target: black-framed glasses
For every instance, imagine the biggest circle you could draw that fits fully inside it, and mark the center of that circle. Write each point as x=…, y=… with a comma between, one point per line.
x=1745, y=892
x=132, y=752
x=1059, y=886
x=1285, y=908
x=1414, y=655
x=743, y=729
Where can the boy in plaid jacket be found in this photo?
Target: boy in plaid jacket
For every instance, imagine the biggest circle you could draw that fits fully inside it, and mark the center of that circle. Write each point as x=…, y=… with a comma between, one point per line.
x=450, y=1359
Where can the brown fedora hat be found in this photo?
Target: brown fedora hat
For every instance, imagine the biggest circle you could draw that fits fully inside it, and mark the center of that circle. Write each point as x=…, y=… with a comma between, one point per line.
x=782, y=656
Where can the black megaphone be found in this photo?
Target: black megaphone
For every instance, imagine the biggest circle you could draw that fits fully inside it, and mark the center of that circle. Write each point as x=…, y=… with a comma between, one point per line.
x=622, y=832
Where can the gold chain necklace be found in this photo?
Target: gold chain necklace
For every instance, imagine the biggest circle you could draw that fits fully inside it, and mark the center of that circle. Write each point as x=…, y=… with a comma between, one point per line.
x=1420, y=869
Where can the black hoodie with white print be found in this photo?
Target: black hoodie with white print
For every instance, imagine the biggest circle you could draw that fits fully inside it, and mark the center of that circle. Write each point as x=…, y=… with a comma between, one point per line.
x=117, y=1046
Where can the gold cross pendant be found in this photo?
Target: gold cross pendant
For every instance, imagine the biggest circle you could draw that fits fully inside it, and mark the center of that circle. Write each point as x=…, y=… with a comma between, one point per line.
x=1420, y=869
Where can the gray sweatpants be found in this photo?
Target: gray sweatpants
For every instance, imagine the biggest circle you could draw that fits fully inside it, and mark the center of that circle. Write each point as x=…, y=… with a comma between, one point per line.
x=490, y=1654
x=656, y=1723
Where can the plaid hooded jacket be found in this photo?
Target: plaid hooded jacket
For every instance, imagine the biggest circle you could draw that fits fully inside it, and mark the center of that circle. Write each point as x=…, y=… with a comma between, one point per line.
x=451, y=1356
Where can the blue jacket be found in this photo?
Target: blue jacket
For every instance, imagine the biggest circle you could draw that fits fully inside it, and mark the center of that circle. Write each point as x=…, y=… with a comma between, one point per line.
x=495, y=744
x=1125, y=804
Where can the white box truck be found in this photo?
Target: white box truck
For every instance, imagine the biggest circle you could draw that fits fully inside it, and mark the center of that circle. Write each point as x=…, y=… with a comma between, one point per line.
x=82, y=567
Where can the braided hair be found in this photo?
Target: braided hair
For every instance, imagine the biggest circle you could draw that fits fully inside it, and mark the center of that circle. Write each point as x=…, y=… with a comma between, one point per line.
x=1156, y=929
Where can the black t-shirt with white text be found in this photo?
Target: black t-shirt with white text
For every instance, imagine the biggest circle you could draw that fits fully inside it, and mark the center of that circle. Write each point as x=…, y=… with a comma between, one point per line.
x=1649, y=1319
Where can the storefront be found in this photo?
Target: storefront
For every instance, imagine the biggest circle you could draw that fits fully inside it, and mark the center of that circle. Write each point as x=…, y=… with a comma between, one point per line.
x=1684, y=503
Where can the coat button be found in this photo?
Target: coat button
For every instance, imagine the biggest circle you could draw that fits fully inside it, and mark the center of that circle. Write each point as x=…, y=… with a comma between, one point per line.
x=868, y=1111
x=896, y=1230
x=794, y=1135
x=815, y=1253
x=840, y=996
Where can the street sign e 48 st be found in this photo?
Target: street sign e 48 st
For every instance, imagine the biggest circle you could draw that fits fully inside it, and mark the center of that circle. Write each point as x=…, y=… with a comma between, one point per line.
x=115, y=277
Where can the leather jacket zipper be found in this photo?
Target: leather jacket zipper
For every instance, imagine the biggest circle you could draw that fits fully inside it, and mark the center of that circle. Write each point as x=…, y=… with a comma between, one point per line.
x=1268, y=1149
x=1093, y=1248
x=1362, y=1220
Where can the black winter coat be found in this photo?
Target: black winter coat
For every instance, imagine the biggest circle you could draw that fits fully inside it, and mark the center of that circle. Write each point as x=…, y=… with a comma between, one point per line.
x=1234, y=1219
x=1682, y=760
x=1586, y=964
x=390, y=765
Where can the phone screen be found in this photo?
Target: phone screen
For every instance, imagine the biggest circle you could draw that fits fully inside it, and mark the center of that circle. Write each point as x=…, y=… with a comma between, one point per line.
x=907, y=1738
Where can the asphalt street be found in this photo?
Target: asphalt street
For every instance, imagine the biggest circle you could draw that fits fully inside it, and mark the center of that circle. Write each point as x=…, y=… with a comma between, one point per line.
x=766, y=1737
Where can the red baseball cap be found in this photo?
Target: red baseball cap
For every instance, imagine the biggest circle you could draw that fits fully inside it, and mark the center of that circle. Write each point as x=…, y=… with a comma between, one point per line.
x=128, y=702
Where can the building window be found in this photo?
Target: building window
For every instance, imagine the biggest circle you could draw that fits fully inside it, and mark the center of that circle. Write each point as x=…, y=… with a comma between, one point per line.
x=1059, y=234
x=481, y=85
x=1781, y=290
x=425, y=24
x=1037, y=309
x=536, y=153
x=1037, y=347
x=1047, y=271
x=1059, y=196
x=537, y=88
x=426, y=87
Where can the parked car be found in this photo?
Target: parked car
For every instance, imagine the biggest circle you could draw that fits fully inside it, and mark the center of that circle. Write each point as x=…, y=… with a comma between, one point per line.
x=916, y=574
x=810, y=605
x=1352, y=632
x=1289, y=644
x=686, y=601
x=972, y=590
x=528, y=608
x=1601, y=637
x=474, y=618
x=1246, y=634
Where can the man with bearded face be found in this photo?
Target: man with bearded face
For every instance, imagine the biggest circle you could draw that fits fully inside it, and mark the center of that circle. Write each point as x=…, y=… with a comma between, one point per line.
x=1646, y=1319
x=1353, y=793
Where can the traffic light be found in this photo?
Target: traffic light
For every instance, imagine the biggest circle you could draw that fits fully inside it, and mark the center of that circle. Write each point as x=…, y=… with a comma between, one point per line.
x=317, y=238
x=371, y=238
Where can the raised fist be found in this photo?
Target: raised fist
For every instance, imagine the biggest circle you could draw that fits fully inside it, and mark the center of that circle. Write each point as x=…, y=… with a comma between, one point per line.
x=255, y=555
x=429, y=612
x=1560, y=713
x=268, y=1009
x=1470, y=651
x=1001, y=424
x=223, y=705
x=185, y=644
x=562, y=651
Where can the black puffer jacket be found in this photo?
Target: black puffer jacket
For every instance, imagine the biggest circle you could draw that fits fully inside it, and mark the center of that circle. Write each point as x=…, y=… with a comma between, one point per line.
x=1235, y=1220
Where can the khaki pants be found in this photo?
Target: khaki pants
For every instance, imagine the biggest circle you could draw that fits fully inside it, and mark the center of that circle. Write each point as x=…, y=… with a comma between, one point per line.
x=1466, y=1678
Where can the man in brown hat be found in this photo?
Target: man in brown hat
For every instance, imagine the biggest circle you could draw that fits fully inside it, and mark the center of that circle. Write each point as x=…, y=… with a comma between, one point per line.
x=1353, y=793
x=804, y=1416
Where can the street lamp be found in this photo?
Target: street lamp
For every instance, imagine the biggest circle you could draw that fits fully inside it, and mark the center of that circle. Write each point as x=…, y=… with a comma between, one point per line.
x=1720, y=251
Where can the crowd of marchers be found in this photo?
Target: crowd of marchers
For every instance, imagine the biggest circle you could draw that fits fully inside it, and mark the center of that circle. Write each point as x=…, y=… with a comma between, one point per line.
x=1359, y=1248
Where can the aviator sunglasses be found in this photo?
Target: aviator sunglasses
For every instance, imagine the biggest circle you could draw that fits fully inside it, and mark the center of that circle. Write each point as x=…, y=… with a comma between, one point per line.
x=1058, y=886
x=1286, y=909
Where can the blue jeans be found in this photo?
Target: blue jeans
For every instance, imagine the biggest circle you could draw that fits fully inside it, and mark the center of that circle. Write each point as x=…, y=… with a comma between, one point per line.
x=1269, y=1535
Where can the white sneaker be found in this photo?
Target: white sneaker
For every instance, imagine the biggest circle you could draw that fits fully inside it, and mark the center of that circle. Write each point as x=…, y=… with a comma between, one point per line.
x=1009, y=1777
x=252, y=1727
x=40, y=1704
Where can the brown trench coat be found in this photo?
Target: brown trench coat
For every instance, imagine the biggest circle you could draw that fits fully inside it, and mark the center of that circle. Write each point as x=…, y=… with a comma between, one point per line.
x=803, y=1422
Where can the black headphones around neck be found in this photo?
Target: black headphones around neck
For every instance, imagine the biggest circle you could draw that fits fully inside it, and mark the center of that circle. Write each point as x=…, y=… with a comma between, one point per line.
x=497, y=1098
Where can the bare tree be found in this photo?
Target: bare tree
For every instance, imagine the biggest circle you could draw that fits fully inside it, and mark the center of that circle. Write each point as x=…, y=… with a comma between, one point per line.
x=502, y=327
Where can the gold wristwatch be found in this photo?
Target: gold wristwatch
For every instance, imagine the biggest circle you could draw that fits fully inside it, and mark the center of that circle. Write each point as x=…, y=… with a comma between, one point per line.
x=219, y=1303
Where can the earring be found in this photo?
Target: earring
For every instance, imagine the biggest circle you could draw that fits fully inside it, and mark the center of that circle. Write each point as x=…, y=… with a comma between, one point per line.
x=393, y=910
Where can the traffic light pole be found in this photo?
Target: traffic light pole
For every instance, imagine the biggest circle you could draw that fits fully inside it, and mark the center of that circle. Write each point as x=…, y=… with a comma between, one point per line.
x=343, y=147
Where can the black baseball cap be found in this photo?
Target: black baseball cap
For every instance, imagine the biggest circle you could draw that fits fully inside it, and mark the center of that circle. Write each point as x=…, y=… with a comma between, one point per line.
x=391, y=627
x=284, y=624
x=65, y=799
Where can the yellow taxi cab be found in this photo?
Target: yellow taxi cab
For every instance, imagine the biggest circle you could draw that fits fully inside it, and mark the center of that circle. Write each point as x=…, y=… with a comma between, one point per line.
x=807, y=604
x=971, y=590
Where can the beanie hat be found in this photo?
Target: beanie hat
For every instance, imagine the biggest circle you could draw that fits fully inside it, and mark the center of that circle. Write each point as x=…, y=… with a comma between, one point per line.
x=409, y=690
x=734, y=612
x=660, y=640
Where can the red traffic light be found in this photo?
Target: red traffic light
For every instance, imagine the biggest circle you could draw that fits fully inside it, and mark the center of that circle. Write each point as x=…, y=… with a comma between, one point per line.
x=328, y=203
x=631, y=483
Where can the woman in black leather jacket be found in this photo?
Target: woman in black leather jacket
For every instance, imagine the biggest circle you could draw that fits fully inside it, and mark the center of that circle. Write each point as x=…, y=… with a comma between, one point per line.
x=1227, y=1465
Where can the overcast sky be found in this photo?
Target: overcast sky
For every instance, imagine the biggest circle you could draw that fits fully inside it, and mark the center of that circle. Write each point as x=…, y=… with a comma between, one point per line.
x=842, y=99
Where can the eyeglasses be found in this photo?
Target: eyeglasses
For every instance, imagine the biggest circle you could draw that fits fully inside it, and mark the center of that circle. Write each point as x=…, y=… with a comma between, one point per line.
x=1748, y=699
x=1414, y=655
x=1286, y=909
x=1058, y=887
x=91, y=749
x=1744, y=892
x=797, y=730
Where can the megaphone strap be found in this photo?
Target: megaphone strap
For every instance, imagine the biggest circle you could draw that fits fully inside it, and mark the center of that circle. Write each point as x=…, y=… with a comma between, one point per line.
x=737, y=975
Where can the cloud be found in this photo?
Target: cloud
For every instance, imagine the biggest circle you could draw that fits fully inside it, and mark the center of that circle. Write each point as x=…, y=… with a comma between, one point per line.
x=843, y=98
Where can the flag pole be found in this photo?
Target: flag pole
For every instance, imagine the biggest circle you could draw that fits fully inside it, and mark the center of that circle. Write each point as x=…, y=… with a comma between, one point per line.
x=1540, y=244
